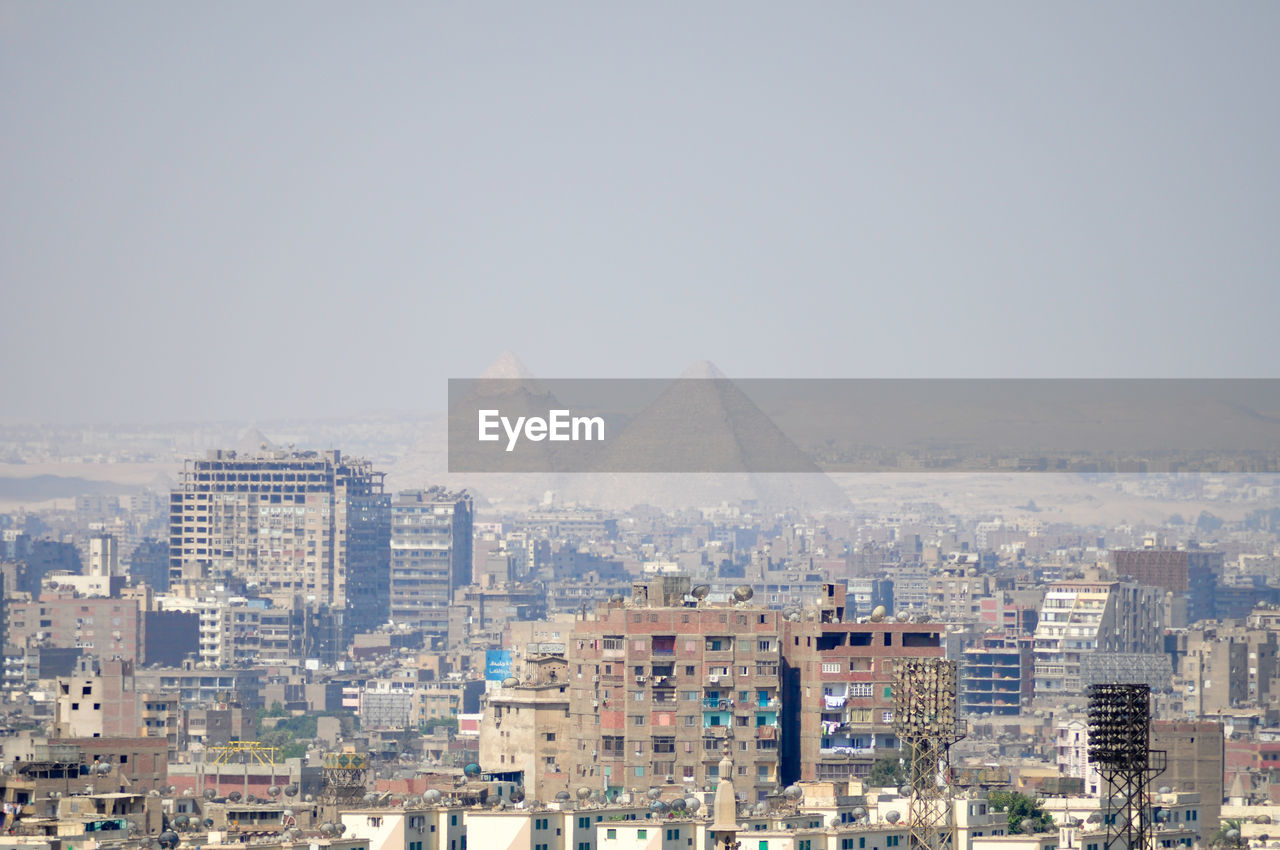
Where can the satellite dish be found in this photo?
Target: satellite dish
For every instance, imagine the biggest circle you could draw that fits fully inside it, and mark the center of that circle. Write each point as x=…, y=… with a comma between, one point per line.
x=762, y=808
x=700, y=591
x=654, y=793
x=234, y=796
x=291, y=790
x=563, y=796
x=472, y=770
x=510, y=682
x=743, y=593
x=432, y=795
x=584, y=792
x=692, y=804
x=273, y=791
x=210, y=793
x=893, y=817
x=792, y=792
x=878, y=614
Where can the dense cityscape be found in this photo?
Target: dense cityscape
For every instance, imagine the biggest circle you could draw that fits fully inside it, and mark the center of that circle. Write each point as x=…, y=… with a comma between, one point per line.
x=891, y=459
x=280, y=646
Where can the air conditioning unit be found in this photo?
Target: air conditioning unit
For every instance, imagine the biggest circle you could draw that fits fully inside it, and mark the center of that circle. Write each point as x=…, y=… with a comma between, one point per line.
x=713, y=678
x=640, y=680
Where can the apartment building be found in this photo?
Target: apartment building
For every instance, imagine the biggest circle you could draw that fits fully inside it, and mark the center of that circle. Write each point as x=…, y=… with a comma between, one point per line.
x=525, y=732
x=996, y=675
x=294, y=524
x=658, y=688
x=1081, y=619
x=838, y=695
x=431, y=553
x=1192, y=573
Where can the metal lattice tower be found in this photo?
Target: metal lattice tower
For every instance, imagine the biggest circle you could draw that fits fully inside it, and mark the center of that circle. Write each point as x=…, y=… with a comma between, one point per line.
x=924, y=717
x=1120, y=747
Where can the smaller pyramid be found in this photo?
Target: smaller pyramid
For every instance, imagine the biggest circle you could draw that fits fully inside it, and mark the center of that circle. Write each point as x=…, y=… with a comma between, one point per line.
x=507, y=367
x=253, y=441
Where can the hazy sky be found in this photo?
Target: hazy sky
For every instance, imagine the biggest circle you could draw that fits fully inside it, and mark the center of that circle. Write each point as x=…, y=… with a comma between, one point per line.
x=253, y=210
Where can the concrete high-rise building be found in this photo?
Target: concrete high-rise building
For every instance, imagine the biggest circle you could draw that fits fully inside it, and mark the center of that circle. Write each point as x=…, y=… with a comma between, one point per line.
x=1191, y=573
x=431, y=554
x=104, y=556
x=1083, y=618
x=658, y=689
x=312, y=527
x=1195, y=759
x=995, y=675
x=838, y=688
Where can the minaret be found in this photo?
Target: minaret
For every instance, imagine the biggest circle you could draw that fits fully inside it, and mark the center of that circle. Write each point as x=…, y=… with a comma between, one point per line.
x=724, y=822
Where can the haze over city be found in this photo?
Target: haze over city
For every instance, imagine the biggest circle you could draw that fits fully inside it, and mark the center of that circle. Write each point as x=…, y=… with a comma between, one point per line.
x=976, y=190
x=717, y=426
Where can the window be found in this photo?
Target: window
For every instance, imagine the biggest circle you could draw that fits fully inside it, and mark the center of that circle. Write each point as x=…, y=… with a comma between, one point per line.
x=539, y=823
x=673, y=835
x=611, y=833
x=375, y=822
x=830, y=667
x=846, y=844
x=642, y=834
x=891, y=841
x=584, y=823
x=764, y=844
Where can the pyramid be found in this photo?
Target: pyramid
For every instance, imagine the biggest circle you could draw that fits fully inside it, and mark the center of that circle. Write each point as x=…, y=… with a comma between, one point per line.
x=703, y=422
x=703, y=442
x=253, y=441
x=507, y=367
